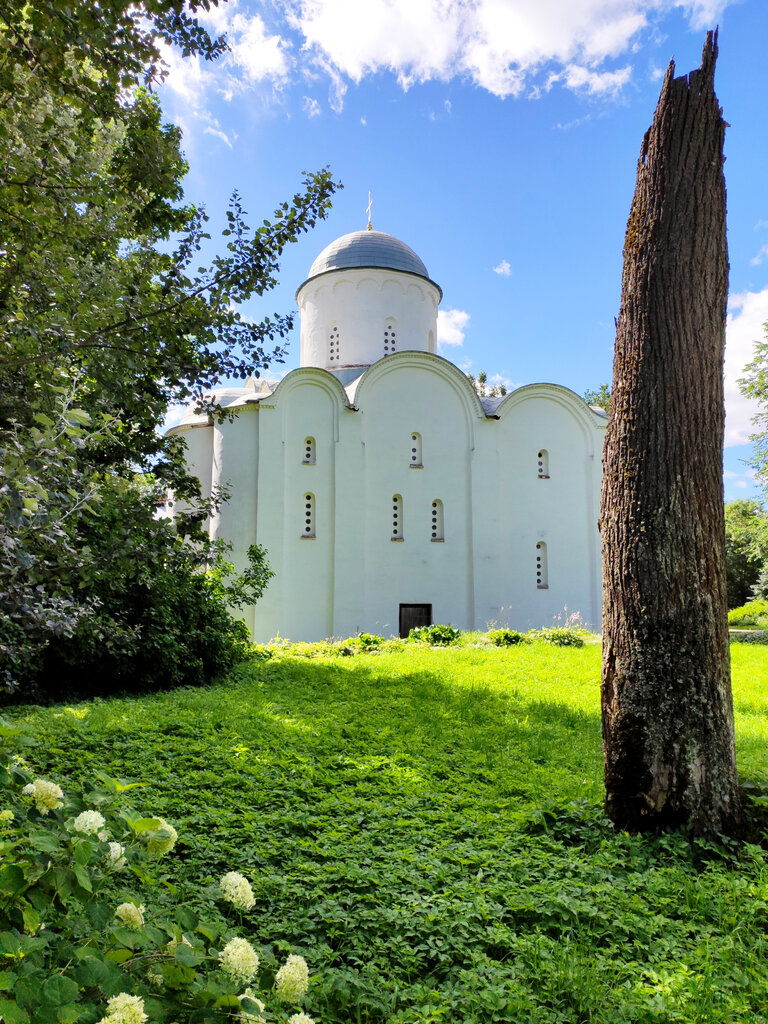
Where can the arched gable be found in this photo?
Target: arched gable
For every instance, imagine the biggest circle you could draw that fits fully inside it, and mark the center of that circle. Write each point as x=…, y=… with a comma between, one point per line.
x=590, y=424
x=404, y=362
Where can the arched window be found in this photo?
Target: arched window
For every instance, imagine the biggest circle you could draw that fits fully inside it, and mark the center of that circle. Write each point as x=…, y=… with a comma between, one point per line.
x=308, y=533
x=543, y=464
x=390, y=336
x=438, y=524
x=333, y=344
x=542, y=575
x=397, y=517
x=415, y=453
x=309, y=451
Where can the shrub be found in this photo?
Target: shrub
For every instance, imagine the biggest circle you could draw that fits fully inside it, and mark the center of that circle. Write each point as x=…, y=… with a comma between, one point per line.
x=78, y=943
x=505, y=637
x=438, y=635
x=560, y=636
x=364, y=642
x=749, y=615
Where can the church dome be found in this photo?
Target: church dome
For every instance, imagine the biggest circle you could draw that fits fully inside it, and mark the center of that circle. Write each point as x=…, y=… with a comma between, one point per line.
x=364, y=249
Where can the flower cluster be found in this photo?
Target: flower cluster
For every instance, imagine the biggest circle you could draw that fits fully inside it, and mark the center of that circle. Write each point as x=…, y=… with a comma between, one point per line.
x=6, y=817
x=240, y=960
x=300, y=1018
x=251, y=1018
x=161, y=840
x=124, y=1009
x=115, y=858
x=130, y=915
x=237, y=890
x=90, y=822
x=47, y=796
x=292, y=980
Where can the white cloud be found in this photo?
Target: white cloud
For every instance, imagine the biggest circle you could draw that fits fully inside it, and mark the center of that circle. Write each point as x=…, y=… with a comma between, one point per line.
x=254, y=50
x=500, y=45
x=761, y=255
x=451, y=325
x=748, y=311
x=213, y=130
x=311, y=107
x=504, y=269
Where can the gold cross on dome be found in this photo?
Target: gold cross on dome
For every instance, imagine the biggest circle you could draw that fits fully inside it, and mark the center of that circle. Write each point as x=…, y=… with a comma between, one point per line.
x=368, y=211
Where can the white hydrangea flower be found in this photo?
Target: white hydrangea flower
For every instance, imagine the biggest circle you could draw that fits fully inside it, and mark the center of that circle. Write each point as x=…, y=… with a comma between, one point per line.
x=161, y=840
x=124, y=1009
x=6, y=817
x=237, y=890
x=47, y=796
x=292, y=980
x=89, y=822
x=251, y=1018
x=300, y=1018
x=240, y=960
x=130, y=915
x=115, y=858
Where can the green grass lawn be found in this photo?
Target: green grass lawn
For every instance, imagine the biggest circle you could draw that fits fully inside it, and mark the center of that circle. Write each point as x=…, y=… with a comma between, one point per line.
x=425, y=827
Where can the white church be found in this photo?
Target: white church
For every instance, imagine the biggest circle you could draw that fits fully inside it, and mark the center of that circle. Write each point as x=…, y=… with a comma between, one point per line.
x=386, y=492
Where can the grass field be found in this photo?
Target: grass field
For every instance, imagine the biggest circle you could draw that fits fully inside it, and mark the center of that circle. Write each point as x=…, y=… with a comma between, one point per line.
x=425, y=827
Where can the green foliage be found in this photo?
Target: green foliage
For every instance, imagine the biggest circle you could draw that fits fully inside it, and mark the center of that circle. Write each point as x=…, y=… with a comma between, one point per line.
x=76, y=935
x=483, y=388
x=505, y=637
x=754, y=384
x=437, y=635
x=560, y=636
x=424, y=826
x=752, y=615
x=746, y=548
x=601, y=398
x=364, y=642
x=106, y=317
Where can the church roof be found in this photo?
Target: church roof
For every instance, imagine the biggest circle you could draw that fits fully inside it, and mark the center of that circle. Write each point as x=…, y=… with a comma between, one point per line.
x=364, y=249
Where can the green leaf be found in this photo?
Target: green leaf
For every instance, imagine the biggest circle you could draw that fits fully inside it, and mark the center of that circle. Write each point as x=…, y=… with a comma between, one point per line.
x=83, y=877
x=143, y=824
x=7, y=980
x=188, y=956
x=12, y=879
x=119, y=956
x=59, y=991
x=11, y=1012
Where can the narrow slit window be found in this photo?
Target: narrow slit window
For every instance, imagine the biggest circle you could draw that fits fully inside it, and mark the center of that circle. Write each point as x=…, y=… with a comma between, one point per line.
x=309, y=451
x=543, y=464
x=438, y=528
x=397, y=517
x=542, y=575
x=390, y=338
x=308, y=533
x=415, y=452
x=333, y=344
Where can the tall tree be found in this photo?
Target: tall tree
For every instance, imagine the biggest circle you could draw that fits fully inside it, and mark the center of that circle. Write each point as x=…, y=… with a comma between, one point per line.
x=106, y=316
x=666, y=694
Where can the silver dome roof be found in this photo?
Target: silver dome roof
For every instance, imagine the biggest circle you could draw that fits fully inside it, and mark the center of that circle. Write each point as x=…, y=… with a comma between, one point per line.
x=368, y=249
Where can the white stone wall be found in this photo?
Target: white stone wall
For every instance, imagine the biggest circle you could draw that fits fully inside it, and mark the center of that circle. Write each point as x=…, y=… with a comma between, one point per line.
x=359, y=304
x=351, y=576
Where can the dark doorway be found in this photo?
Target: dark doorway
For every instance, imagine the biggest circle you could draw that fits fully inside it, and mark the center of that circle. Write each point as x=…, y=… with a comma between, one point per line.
x=414, y=615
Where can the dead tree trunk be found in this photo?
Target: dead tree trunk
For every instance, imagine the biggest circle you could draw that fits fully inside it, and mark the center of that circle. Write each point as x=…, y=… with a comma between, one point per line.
x=666, y=693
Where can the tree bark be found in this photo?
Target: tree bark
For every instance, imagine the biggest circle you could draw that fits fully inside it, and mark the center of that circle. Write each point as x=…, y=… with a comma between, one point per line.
x=666, y=692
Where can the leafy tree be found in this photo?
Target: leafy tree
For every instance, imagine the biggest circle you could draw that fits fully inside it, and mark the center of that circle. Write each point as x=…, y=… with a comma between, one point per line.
x=106, y=317
x=746, y=548
x=600, y=398
x=754, y=384
x=483, y=388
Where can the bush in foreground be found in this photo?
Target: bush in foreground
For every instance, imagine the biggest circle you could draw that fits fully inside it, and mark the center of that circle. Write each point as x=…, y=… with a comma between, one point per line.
x=79, y=944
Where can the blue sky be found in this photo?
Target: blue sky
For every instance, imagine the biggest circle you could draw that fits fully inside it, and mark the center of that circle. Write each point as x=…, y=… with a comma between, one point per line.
x=499, y=139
